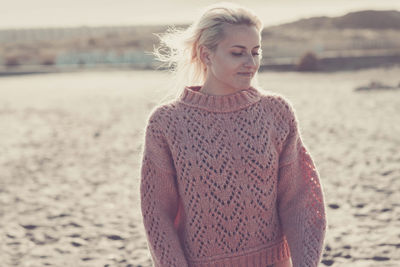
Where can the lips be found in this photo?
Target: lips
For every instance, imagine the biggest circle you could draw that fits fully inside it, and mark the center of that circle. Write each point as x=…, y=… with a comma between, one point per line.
x=246, y=74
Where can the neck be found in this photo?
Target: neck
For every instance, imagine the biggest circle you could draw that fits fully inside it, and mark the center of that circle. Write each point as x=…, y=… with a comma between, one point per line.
x=210, y=89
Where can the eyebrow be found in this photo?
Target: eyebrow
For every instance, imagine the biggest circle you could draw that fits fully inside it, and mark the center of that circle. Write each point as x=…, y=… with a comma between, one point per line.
x=241, y=46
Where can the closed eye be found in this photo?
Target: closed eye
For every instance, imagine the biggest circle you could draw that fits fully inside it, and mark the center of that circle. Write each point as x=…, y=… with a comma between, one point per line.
x=241, y=54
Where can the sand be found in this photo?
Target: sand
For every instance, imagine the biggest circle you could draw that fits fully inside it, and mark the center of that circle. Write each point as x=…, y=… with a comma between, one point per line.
x=70, y=152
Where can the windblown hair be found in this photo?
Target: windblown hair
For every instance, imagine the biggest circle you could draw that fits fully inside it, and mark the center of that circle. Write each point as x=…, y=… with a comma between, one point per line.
x=180, y=49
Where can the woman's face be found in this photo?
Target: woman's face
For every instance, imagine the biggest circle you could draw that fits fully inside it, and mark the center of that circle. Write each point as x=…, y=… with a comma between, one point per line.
x=233, y=64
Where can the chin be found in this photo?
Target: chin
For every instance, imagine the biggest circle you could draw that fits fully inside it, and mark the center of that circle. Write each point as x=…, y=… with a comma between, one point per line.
x=240, y=85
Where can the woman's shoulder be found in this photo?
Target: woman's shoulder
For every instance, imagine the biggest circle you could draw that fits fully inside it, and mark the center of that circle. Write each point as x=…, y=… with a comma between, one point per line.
x=160, y=113
x=277, y=102
x=281, y=109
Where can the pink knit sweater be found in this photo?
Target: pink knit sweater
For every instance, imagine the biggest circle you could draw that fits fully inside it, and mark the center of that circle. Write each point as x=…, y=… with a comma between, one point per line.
x=227, y=181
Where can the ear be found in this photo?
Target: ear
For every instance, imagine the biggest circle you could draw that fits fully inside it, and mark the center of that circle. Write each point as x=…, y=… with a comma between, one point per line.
x=205, y=55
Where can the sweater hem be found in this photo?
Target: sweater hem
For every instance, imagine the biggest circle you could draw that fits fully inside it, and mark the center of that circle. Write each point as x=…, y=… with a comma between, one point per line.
x=260, y=257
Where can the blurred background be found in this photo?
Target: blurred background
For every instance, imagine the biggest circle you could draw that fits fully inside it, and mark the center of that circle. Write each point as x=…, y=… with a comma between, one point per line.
x=63, y=35
x=77, y=83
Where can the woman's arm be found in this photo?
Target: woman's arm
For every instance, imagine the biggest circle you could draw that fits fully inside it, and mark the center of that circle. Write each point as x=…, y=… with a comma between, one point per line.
x=300, y=200
x=159, y=198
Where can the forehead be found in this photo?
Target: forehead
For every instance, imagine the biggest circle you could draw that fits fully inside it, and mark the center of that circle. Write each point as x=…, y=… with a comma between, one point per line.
x=243, y=35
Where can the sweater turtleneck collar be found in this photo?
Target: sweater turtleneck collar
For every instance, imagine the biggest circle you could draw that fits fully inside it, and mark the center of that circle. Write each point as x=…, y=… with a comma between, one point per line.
x=219, y=103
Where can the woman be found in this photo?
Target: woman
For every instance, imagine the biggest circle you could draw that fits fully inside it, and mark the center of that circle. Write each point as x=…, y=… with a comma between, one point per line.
x=225, y=177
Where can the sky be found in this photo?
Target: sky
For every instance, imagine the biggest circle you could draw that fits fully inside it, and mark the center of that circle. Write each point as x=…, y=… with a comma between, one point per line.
x=73, y=13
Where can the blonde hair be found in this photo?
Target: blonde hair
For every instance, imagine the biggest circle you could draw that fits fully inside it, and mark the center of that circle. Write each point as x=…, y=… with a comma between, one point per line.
x=179, y=49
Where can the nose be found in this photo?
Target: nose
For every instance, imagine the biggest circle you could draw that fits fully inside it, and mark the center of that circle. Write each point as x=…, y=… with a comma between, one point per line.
x=251, y=61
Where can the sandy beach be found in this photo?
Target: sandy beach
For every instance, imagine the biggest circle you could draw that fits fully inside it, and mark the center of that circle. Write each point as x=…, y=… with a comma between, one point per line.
x=70, y=155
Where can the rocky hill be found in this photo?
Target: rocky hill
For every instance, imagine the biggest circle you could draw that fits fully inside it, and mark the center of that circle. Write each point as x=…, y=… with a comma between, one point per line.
x=366, y=19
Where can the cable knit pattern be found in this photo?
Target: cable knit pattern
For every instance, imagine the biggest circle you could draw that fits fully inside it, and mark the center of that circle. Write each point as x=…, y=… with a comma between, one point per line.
x=227, y=181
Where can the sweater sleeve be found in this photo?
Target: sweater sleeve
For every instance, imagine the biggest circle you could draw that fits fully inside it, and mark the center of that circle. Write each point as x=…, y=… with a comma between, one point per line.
x=159, y=199
x=300, y=199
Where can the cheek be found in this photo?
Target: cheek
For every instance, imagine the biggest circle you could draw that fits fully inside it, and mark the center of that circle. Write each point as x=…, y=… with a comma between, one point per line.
x=227, y=66
x=258, y=63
